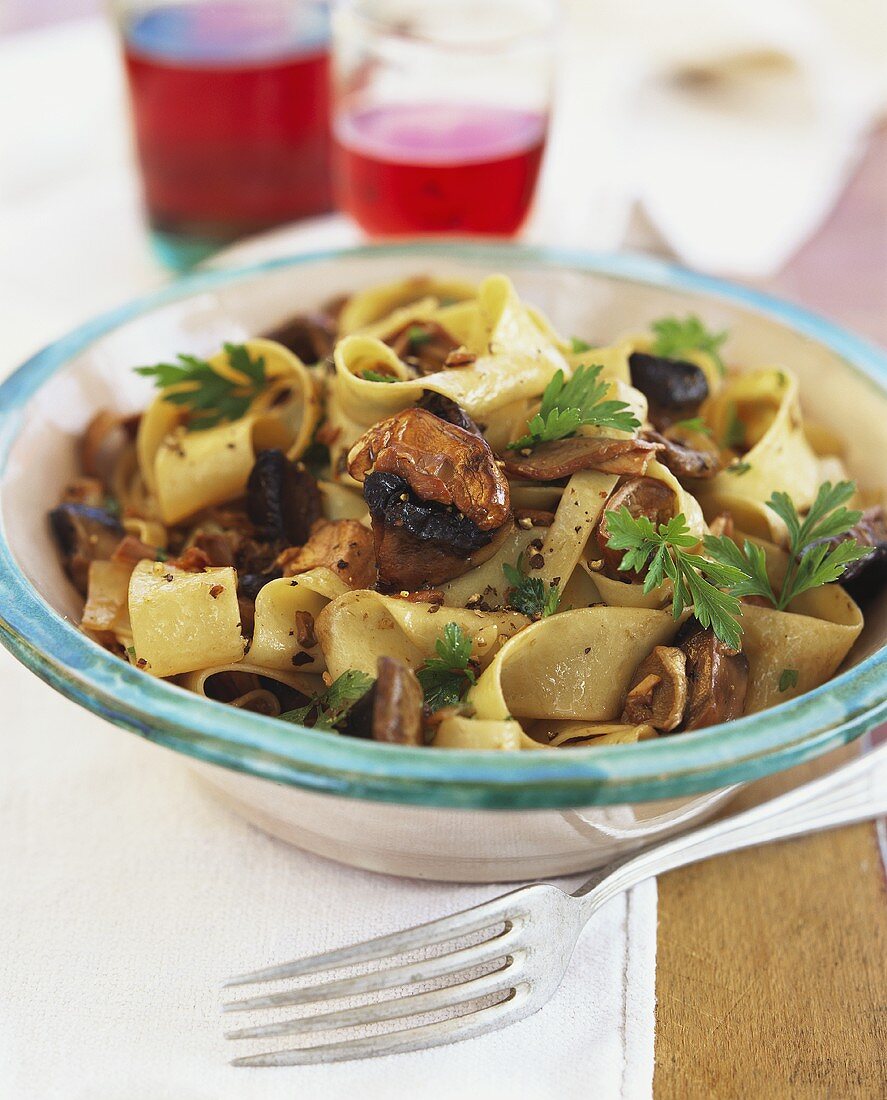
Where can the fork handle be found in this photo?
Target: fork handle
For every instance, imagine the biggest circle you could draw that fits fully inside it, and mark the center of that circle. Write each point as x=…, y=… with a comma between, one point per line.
x=852, y=793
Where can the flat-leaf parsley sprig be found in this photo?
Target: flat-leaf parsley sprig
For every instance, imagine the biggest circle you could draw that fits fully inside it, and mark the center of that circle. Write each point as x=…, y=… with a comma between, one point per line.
x=814, y=557
x=446, y=678
x=665, y=553
x=209, y=397
x=569, y=405
x=675, y=337
x=530, y=595
x=330, y=708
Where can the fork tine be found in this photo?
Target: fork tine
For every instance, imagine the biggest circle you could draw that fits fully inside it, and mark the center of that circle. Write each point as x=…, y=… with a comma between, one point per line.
x=415, y=1038
x=439, y=966
x=420, y=935
x=396, y=1008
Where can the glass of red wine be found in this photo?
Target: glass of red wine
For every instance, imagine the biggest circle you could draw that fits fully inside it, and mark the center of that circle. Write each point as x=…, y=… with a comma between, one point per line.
x=231, y=114
x=440, y=112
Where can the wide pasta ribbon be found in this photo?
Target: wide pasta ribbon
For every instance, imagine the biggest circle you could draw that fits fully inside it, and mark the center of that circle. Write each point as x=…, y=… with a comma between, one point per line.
x=187, y=471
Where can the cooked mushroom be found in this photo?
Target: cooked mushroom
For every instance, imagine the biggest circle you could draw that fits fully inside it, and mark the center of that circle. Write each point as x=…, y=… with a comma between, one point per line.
x=440, y=461
x=311, y=336
x=84, y=535
x=392, y=709
x=642, y=496
x=565, y=457
x=422, y=345
x=447, y=409
x=438, y=500
x=658, y=694
x=686, y=453
x=282, y=499
x=866, y=577
x=717, y=677
x=343, y=546
x=674, y=388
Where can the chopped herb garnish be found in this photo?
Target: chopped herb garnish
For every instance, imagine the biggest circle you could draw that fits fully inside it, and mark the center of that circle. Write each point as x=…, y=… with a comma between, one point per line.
x=131, y=652
x=111, y=505
x=377, y=376
x=693, y=424
x=814, y=559
x=528, y=595
x=567, y=406
x=734, y=433
x=417, y=336
x=446, y=678
x=577, y=346
x=664, y=553
x=675, y=338
x=209, y=397
x=788, y=678
x=738, y=468
x=330, y=708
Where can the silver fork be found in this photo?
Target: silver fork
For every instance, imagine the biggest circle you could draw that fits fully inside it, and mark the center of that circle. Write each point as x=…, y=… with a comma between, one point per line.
x=522, y=941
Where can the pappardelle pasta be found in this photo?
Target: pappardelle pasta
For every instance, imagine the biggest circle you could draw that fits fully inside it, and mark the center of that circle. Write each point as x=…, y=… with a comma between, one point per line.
x=421, y=515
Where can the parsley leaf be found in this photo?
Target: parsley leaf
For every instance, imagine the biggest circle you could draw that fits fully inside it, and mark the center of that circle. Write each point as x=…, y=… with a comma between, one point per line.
x=738, y=468
x=528, y=595
x=664, y=551
x=734, y=432
x=577, y=346
x=693, y=424
x=377, y=376
x=788, y=678
x=675, y=338
x=210, y=398
x=567, y=406
x=446, y=678
x=814, y=556
x=330, y=708
x=417, y=336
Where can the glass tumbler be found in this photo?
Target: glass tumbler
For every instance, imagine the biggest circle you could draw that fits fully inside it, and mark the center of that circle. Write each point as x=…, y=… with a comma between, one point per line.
x=231, y=115
x=440, y=112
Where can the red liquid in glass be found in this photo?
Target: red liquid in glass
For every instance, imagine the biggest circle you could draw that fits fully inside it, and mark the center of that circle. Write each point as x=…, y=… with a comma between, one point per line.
x=231, y=110
x=438, y=168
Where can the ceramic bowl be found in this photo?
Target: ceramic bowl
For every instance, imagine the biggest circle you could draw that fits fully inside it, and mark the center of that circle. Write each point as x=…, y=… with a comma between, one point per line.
x=458, y=815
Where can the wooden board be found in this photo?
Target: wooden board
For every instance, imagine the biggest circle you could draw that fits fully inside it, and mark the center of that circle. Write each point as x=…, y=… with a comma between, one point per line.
x=772, y=967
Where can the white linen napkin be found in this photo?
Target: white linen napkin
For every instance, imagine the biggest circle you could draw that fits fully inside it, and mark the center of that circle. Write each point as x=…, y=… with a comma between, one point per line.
x=129, y=893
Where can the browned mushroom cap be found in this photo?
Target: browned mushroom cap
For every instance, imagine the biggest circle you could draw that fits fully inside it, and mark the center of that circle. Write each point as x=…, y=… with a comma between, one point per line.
x=674, y=388
x=392, y=709
x=344, y=546
x=439, y=461
x=84, y=535
x=686, y=453
x=397, y=708
x=422, y=345
x=865, y=578
x=717, y=677
x=565, y=457
x=642, y=496
x=658, y=694
x=407, y=563
x=448, y=409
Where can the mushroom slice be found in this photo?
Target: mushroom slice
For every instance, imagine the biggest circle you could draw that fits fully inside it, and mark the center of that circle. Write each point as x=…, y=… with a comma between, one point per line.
x=717, y=677
x=642, y=496
x=686, y=453
x=282, y=499
x=565, y=457
x=84, y=535
x=447, y=409
x=422, y=345
x=439, y=461
x=674, y=388
x=865, y=578
x=397, y=703
x=343, y=546
x=658, y=694
x=310, y=336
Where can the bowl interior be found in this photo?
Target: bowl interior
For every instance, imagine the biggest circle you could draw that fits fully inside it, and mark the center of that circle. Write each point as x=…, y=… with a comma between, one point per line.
x=596, y=304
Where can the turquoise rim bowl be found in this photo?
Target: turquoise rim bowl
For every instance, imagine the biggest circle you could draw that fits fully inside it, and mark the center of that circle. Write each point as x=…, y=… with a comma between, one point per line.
x=786, y=735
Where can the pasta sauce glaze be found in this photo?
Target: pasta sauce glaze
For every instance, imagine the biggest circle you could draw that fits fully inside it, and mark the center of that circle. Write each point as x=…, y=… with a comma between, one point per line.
x=231, y=113
x=439, y=168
